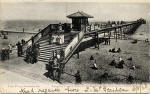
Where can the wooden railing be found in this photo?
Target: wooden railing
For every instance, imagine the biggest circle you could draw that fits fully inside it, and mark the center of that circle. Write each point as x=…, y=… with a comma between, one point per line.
x=36, y=37
x=112, y=28
x=74, y=42
x=73, y=45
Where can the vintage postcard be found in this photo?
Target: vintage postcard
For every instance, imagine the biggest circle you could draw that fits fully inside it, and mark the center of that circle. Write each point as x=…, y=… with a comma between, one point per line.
x=74, y=46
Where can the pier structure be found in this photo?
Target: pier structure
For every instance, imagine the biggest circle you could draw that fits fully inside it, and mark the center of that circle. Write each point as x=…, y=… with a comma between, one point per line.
x=59, y=42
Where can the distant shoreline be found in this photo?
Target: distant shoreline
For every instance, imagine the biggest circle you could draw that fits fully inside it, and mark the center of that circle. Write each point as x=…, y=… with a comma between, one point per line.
x=17, y=32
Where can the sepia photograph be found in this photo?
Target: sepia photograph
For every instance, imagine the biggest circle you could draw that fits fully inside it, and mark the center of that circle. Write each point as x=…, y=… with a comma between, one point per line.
x=73, y=43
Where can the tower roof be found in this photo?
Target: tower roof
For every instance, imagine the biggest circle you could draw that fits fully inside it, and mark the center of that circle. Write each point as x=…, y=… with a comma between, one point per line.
x=79, y=14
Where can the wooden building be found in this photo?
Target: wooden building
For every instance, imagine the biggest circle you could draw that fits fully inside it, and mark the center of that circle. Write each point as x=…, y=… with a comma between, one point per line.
x=78, y=19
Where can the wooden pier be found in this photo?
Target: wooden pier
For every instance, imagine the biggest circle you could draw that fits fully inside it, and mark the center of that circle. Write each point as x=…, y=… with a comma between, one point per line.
x=74, y=39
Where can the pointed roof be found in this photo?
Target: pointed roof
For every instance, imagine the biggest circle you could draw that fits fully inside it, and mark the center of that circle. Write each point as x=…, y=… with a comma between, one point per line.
x=79, y=14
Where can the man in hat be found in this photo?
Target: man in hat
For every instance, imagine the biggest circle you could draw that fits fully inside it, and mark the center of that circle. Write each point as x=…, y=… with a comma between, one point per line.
x=19, y=48
x=3, y=54
x=130, y=78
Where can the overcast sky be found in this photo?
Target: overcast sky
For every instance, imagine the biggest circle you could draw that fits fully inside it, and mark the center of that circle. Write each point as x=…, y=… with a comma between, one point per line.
x=59, y=11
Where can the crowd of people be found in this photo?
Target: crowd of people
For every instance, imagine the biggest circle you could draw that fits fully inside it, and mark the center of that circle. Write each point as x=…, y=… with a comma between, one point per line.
x=119, y=63
x=55, y=68
x=32, y=54
x=114, y=50
x=5, y=52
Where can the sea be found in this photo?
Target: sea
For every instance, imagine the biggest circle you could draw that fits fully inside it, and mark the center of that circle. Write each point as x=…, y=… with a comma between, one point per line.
x=28, y=25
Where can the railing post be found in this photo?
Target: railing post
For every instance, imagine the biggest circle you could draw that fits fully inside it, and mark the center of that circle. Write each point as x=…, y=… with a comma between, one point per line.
x=121, y=32
x=104, y=34
x=90, y=28
x=78, y=37
x=94, y=27
x=116, y=34
x=109, y=32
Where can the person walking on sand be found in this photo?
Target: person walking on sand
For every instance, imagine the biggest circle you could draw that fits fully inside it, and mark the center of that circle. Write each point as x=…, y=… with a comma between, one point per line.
x=91, y=58
x=130, y=78
x=78, y=77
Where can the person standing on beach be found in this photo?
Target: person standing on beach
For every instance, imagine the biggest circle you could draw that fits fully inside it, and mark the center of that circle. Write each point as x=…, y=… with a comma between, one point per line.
x=23, y=41
x=19, y=49
x=78, y=77
x=32, y=39
x=3, y=54
x=10, y=48
x=7, y=53
x=50, y=37
x=91, y=59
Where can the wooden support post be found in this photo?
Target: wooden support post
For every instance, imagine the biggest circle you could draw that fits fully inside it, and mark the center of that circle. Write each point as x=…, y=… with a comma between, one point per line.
x=110, y=33
x=78, y=53
x=118, y=31
x=97, y=40
x=128, y=28
x=116, y=34
x=124, y=32
x=104, y=38
x=109, y=37
x=23, y=29
x=90, y=28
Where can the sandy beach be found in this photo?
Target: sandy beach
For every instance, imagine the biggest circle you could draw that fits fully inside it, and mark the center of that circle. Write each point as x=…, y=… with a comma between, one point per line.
x=104, y=57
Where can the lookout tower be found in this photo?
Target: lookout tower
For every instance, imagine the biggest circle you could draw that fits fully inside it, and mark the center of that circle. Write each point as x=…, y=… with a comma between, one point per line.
x=78, y=19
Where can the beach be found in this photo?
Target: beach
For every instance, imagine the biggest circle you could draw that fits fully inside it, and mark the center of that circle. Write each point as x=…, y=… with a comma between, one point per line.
x=16, y=68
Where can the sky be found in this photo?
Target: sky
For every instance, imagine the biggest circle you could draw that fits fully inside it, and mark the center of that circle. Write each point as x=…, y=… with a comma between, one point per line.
x=59, y=11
